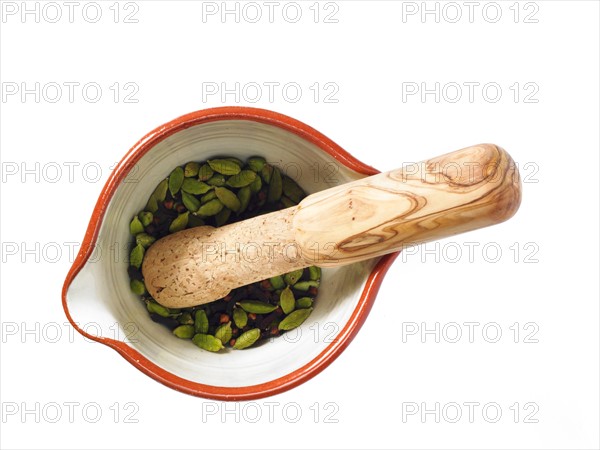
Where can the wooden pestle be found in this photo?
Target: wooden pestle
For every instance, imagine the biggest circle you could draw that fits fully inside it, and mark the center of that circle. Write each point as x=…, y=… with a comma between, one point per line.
x=461, y=191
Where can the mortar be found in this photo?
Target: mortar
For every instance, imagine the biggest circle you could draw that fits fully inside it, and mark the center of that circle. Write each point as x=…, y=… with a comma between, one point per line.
x=100, y=305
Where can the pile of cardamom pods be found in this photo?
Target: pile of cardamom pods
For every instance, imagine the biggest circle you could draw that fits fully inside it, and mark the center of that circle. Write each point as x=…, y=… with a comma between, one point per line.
x=217, y=192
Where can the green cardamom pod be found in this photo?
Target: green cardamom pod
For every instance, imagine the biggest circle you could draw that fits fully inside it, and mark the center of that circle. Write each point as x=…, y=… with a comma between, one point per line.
x=306, y=285
x=240, y=317
x=256, y=185
x=207, y=342
x=293, y=277
x=136, y=256
x=186, y=319
x=294, y=319
x=205, y=173
x=304, y=302
x=315, y=273
x=210, y=195
x=190, y=201
x=180, y=222
x=161, y=191
x=222, y=217
x=191, y=169
x=266, y=173
x=277, y=282
x=244, y=178
x=175, y=180
x=224, y=166
x=184, y=331
x=233, y=159
x=244, y=195
x=136, y=226
x=210, y=208
x=257, y=307
x=195, y=186
x=216, y=180
x=256, y=163
x=224, y=332
x=155, y=308
x=201, y=322
x=275, y=187
x=145, y=240
x=287, y=300
x=146, y=218
x=228, y=198
x=292, y=190
x=152, y=204
x=247, y=339
x=137, y=287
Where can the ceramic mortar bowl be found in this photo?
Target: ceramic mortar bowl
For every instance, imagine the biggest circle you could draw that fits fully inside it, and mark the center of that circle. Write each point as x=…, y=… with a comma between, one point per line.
x=99, y=303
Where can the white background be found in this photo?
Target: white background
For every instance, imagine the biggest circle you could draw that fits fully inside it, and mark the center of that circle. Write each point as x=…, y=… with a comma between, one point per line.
x=374, y=53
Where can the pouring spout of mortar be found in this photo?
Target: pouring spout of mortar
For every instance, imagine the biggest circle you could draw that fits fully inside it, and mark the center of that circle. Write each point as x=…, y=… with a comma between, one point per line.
x=461, y=191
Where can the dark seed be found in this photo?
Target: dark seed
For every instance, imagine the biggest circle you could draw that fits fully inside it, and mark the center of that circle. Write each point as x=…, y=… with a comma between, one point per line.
x=134, y=273
x=267, y=320
x=169, y=322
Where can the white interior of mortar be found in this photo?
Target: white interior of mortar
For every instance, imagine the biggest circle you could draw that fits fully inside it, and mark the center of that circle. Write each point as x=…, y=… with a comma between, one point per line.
x=100, y=300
